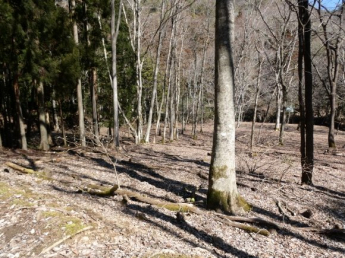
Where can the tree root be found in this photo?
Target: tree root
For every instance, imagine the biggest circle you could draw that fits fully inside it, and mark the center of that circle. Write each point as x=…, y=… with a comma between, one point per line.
x=270, y=225
x=103, y=191
x=100, y=191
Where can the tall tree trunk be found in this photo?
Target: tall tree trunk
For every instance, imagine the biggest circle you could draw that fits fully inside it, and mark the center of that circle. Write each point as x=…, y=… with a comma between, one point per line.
x=93, y=90
x=115, y=25
x=79, y=86
x=206, y=43
x=139, y=65
x=305, y=22
x=331, y=139
x=155, y=74
x=279, y=104
x=21, y=123
x=283, y=122
x=63, y=125
x=55, y=113
x=257, y=93
x=44, y=145
x=222, y=192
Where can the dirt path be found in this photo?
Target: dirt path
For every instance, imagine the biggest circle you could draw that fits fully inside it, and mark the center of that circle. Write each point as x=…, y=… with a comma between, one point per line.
x=49, y=215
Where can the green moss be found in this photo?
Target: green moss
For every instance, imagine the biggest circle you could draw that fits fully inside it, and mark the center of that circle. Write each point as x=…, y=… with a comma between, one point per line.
x=218, y=200
x=22, y=203
x=73, y=226
x=219, y=172
x=222, y=200
x=243, y=203
x=51, y=214
x=175, y=207
x=4, y=191
x=7, y=192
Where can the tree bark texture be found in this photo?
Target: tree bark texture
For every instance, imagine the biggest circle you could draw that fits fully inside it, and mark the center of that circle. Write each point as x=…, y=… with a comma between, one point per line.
x=155, y=74
x=79, y=87
x=21, y=123
x=305, y=23
x=44, y=145
x=222, y=192
x=114, y=34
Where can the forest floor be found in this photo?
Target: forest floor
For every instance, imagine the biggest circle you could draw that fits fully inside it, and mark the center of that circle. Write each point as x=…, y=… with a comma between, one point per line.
x=48, y=214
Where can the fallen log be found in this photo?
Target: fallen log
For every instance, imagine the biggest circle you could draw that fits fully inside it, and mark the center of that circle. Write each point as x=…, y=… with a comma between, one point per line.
x=24, y=170
x=20, y=168
x=100, y=191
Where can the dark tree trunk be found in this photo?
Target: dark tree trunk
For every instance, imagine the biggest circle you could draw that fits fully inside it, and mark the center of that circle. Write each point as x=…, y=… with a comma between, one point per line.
x=305, y=30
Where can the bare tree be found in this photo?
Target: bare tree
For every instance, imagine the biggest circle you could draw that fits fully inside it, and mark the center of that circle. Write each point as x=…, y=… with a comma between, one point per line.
x=331, y=37
x=257, y=94
x=161, y=34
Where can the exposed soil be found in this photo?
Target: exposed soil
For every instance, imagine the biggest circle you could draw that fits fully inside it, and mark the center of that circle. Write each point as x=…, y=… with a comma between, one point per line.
x=48, y=214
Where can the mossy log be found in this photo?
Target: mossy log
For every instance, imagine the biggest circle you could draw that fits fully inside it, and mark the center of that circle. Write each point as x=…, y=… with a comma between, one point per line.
x=28, y=171
x=20, y=168
x=181, y=207
x=101, y=191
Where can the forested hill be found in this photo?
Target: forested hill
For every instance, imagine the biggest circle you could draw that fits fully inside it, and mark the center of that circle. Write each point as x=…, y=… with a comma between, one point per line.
x=59, y=62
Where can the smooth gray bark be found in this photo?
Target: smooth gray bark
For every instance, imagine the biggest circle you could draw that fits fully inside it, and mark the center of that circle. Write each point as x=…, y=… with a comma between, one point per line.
x=222, y=192
x=115, y=25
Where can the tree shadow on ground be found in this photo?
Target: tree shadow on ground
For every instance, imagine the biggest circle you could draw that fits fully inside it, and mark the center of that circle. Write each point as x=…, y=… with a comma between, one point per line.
x=146, y=174
x=217, y=242
x=173, y=158
x=297, y=224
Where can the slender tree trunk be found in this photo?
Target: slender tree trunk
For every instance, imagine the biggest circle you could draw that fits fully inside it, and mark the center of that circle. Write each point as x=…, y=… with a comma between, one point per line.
x=206, y=44
x=63, y=125
x=331, y=133
x=79, y=86
x=155, y=74
x=21, y=123
x=55, y=113
x=139, y=64
x=115, y=25
x=93, y=90
x=278, y=110
x=195, y=95
x=307, y=169
x=283, y=122
x=257, y=93
x=222, y=192
x=44, y=145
